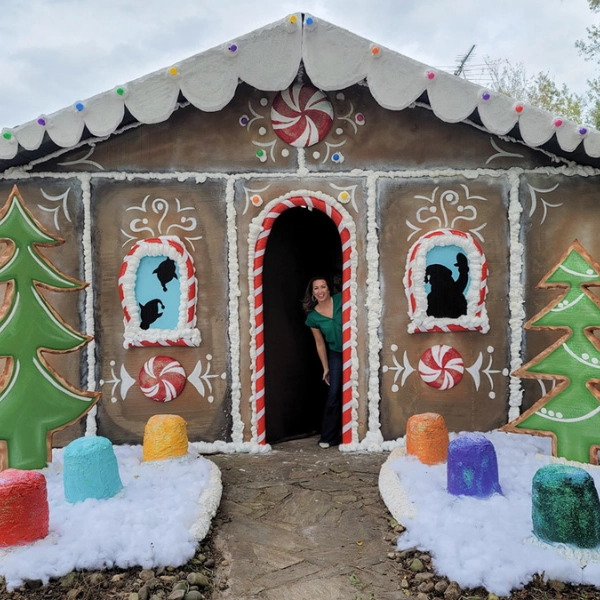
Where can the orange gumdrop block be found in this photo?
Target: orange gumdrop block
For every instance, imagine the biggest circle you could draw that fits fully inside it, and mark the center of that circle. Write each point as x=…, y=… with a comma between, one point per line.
x=427, y=438
x=165, y=436
x=24, y=512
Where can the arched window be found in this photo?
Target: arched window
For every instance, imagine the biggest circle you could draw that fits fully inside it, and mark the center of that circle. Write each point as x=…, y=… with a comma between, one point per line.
x=446, y=283
x=158, y=291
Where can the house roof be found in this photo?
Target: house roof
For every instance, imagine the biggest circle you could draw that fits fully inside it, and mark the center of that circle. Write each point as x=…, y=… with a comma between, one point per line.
x=269, y=59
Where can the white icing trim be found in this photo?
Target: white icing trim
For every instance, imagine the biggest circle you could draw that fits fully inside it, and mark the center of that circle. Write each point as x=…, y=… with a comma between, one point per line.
x=373, y=438
x=515, y=294
x=237, y=433
x=91, y=427
x=333, y=58
x=570, y=170
x=221, y=447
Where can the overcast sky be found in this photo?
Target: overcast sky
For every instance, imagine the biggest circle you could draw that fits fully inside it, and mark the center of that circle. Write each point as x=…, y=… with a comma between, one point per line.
x=56, y=52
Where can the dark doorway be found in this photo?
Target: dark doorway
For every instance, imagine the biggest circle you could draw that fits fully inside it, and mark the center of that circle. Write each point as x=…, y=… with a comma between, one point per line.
x=302, y=243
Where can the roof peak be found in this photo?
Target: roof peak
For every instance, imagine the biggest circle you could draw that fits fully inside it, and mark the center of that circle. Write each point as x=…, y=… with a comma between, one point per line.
x=333, y=59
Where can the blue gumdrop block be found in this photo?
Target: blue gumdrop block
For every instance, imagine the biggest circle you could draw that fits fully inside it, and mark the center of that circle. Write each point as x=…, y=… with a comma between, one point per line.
x=472, y=467
x=90, y=470
x=565, y=506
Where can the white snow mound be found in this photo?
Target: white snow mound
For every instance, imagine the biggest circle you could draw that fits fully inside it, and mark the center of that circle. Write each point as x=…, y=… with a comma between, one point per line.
x=488, y=542
x=164, y=509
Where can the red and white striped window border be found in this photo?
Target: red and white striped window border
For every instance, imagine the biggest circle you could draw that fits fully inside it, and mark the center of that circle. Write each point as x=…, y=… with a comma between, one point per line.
x=476, y=318
x=345, y=226
x=185, y=334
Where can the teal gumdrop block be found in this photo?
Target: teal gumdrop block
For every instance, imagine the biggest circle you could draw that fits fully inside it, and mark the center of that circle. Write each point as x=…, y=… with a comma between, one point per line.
x=565, y=506
x=90, y=470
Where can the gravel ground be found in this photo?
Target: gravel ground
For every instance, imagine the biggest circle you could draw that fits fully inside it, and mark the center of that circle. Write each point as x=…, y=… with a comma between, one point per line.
x=192, y=581
x=415, y=574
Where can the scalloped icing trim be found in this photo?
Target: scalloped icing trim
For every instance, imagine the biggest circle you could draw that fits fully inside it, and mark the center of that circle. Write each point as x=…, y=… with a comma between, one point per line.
x=334, y=59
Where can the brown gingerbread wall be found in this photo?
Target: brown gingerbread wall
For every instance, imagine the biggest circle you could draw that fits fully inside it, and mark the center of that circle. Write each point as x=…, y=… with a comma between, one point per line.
x=477, y=403
x=115, y=210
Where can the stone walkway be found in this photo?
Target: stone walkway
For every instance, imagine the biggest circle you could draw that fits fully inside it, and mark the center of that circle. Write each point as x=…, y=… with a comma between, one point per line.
x=303, y=523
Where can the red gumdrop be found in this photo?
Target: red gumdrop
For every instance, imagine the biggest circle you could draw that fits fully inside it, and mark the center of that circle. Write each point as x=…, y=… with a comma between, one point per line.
x=24, y=513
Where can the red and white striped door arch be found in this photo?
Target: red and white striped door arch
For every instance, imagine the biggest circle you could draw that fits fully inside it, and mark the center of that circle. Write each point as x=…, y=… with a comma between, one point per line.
x=270, y=213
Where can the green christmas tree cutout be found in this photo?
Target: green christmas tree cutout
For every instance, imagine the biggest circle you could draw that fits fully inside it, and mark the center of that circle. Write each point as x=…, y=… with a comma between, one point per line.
x=34, y=400
x=570, y=412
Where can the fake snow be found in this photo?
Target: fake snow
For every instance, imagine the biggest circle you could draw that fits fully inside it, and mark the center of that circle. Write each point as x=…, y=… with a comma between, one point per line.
x=165, y=507
x=489, y=542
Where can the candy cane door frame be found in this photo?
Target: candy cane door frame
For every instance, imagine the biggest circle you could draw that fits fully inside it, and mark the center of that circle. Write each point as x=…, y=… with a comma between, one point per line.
x=264, y=223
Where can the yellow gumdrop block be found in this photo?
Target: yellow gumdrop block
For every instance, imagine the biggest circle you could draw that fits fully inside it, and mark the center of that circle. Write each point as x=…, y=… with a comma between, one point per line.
x=165, y=436
x=427, y=438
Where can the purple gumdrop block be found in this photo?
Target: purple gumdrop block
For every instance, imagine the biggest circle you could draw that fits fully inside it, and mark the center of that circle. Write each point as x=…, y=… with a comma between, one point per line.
x=472, y=467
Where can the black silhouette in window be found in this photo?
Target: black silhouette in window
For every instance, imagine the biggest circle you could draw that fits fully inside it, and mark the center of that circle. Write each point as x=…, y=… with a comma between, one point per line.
x=446, y=298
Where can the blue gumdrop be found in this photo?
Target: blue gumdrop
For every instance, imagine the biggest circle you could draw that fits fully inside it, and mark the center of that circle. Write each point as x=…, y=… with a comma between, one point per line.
x=90, y=470
x=472, y=467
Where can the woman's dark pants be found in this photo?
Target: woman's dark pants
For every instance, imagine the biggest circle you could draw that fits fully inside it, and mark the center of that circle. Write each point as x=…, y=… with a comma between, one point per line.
x=332, y=416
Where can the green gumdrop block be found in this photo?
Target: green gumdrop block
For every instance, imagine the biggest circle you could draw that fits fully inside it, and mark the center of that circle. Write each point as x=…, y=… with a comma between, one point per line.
x=565, y=506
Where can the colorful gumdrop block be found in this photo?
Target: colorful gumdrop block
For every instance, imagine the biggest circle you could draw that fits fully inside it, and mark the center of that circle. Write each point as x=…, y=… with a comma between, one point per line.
x=565, y=506
x=427, y=438
x=165, y=436
x=472, y=467
x=90, y=470
x=24, y=512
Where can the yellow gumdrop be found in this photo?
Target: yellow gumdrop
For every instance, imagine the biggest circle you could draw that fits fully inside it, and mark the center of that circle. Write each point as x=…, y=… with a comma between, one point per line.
x=165, y=436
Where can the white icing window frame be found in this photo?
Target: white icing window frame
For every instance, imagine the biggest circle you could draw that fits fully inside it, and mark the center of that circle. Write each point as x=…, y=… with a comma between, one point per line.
x=476, y=318
x=186, y=333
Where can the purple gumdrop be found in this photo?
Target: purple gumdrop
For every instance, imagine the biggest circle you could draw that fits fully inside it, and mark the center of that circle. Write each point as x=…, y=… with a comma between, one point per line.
x=472, y=467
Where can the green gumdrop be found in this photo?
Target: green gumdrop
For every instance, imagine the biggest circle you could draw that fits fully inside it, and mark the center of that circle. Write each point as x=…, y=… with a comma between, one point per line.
x=565, y=506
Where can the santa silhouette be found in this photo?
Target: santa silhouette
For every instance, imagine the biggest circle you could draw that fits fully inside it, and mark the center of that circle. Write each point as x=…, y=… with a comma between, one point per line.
x=446, y=298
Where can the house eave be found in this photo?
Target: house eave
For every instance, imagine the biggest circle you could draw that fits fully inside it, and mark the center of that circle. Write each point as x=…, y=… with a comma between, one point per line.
x=332, y=58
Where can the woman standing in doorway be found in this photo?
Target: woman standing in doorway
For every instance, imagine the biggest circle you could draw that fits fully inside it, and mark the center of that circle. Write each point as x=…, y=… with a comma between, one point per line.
x=324, y=317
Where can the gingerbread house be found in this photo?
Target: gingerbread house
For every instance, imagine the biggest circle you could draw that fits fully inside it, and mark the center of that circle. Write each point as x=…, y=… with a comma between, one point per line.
x=197, y=201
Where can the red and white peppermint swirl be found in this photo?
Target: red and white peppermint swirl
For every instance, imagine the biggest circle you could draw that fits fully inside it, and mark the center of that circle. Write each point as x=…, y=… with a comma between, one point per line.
x=302, y=115
x=347, y=277
x=162, y=378
x=441, y=367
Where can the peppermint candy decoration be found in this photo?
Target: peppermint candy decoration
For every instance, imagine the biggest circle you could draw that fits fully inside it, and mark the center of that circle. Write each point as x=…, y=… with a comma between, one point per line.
x=441, y=367
x=301, y=115
x=162, y=379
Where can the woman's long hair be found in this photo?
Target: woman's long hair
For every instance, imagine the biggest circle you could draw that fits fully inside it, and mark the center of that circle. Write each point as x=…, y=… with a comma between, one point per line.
x=308, y=302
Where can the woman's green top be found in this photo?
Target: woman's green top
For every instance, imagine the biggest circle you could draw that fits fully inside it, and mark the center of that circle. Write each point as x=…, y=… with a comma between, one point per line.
x=331, y=328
